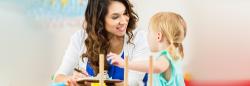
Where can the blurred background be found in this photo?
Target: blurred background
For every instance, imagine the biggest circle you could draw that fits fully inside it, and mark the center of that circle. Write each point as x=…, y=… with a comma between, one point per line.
x=35, y=33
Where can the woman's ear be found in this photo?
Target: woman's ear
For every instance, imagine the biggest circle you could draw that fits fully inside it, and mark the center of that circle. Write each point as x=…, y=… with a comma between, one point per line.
x=159, y=36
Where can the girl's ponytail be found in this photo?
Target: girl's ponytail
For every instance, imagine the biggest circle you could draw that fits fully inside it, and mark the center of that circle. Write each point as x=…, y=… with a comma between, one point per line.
x=176, y=50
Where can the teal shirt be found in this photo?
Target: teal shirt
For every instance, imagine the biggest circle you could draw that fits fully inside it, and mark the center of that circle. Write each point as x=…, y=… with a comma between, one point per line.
x=176, y=78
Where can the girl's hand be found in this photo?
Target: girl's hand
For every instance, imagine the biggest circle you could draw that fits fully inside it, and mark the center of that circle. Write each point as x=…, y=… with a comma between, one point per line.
x=115, y=60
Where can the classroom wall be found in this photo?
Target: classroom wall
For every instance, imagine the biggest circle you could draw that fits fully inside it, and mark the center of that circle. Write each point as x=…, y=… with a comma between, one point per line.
x=31, y=49
x=220, y=33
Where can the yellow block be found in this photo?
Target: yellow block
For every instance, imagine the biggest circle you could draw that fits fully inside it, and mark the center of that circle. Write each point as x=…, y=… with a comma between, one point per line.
x=97, y=84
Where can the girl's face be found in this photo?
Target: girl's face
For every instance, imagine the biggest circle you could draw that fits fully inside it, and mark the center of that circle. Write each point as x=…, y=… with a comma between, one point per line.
x=116, y=21
x=152, y=40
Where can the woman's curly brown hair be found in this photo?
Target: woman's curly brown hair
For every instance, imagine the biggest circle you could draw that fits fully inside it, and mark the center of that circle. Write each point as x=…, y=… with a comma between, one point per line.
x=97, y=41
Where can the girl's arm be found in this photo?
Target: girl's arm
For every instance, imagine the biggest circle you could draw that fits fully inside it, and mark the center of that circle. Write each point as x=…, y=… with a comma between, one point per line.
x=159, y=65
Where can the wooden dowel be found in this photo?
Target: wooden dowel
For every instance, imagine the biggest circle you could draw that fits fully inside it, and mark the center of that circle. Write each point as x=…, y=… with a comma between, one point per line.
x=126, y=71
x=101, y=69
x=150, y=71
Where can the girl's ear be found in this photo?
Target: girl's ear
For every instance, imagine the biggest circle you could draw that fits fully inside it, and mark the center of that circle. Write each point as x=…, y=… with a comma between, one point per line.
x=159, y=36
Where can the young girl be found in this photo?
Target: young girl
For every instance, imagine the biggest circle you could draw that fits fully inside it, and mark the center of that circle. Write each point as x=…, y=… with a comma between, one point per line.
x=167, y=31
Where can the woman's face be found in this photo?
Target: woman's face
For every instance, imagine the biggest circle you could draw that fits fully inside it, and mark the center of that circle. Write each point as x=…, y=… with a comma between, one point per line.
x=116, y=21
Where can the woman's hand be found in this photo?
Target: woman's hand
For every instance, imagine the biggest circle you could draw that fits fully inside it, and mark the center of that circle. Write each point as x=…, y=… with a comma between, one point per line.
x=72, y=81
x=115, y=60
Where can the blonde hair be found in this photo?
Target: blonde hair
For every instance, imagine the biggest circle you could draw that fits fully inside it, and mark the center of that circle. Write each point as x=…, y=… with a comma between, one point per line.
x=173, y=28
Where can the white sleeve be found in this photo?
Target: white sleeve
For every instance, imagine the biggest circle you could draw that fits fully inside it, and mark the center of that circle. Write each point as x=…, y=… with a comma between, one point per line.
x=140, y=51
x=71, y=56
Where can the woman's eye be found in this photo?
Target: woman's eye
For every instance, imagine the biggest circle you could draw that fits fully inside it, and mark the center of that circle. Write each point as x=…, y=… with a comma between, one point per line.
x=115, y=17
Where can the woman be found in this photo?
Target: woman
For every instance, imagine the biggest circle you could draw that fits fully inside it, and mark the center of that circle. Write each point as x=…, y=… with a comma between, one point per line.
x=109, y=28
